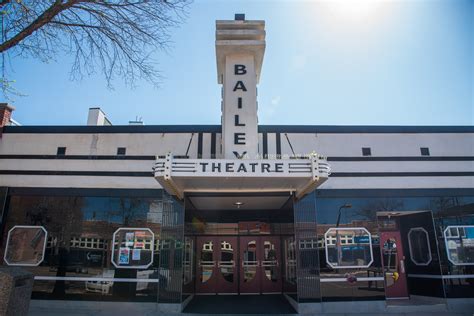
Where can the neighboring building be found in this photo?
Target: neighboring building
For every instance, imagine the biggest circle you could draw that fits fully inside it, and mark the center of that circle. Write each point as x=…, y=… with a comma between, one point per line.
x=148, y=213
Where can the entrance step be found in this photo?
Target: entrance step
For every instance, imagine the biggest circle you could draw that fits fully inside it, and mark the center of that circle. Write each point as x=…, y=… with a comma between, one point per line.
x=239, y=304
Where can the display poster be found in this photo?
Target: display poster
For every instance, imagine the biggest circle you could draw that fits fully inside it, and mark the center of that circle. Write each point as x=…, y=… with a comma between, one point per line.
x=129, y=239
x=124, y=255
x=139, y=245
x=140, y=234
x=136, y=254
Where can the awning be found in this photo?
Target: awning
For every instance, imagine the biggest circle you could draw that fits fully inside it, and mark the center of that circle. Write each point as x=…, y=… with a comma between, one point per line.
x=301, y=176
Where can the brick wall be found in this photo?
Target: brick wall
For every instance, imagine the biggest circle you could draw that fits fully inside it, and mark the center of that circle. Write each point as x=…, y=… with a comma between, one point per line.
x=5, y=115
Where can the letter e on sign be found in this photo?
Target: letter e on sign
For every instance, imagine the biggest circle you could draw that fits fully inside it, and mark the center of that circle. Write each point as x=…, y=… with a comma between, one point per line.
x=239, y=138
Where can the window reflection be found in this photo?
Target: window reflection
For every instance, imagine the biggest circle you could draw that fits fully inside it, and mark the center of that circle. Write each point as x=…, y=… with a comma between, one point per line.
x=250, y=262
x=207, y=261
x=79, y=244
x=25, y=246
x=188, y=260
x=270, y=261
x=348, y=247
x=290, y=260
x=227, y=261
x=460, y=244
x=419, y=244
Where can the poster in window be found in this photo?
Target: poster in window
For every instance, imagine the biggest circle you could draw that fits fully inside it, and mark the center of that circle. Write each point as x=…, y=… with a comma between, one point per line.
x=140, y=234
x=124, y=255
x=136, y=254
x=129, y=239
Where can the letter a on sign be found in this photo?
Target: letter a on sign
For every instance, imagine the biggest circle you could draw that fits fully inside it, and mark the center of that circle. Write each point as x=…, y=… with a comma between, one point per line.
x=240, y=85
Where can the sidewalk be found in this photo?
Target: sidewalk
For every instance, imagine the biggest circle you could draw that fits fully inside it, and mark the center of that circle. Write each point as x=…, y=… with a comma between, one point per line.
x=87, y=308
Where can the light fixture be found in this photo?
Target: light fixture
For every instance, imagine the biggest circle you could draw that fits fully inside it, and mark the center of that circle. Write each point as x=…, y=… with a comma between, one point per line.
x=346, y=205
x=238, y=204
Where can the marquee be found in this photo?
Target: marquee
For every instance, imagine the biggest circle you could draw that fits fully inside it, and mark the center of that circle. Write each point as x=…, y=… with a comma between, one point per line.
x=301, y=176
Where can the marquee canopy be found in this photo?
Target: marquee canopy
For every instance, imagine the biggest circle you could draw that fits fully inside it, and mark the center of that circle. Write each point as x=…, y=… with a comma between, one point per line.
x=301, y=176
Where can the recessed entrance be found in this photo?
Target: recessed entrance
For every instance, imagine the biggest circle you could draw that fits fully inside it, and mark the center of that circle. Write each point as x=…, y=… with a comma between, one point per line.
x=237, y=243
x=238, y=265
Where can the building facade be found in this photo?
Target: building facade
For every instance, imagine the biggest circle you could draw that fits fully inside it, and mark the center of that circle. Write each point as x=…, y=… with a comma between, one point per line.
x=320, y=215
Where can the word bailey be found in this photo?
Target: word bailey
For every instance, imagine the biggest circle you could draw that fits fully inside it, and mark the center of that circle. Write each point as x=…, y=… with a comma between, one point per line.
x=239, y=137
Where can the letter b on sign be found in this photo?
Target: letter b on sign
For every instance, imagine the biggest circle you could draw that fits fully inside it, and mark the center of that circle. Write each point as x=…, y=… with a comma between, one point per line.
x=240, y=70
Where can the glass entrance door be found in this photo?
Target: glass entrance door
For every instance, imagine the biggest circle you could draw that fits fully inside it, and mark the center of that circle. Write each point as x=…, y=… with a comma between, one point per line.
x=232, y=265
x=260, y=266
x=270, y=264
x=393, y=264
x=250, y=274
x=216, y=265
x=206, y=269
x=227, y=282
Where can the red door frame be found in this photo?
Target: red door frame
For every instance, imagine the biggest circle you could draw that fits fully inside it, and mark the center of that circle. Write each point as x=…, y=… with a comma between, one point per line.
x=222, y=285
x=252, y=286
x=259, y=284
x=399, y=289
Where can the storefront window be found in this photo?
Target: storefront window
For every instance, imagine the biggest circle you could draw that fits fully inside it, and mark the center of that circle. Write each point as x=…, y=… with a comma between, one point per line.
x=419, y=244
x=348, y=248
x=133, y=248
x=460, y=244
x=81, y=253
x=26, y=246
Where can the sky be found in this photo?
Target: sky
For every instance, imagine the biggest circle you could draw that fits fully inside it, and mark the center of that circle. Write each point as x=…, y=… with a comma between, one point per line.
x=328, y=62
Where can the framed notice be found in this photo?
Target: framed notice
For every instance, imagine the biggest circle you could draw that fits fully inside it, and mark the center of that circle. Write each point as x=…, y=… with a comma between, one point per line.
x=133, y=248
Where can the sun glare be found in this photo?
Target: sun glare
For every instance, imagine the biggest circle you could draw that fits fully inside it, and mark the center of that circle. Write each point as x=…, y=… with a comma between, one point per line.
x=353, y=9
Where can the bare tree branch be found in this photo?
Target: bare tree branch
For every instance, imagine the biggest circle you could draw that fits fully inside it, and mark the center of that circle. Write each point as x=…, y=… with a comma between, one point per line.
x=117, y=38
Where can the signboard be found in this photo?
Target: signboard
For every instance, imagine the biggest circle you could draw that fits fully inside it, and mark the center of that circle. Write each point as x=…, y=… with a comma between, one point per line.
x=304, y=167
x=133, y=248
x=239, y=113
x=210, y=175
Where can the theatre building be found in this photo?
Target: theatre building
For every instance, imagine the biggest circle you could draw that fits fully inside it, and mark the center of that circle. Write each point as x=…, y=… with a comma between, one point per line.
x=240, y=217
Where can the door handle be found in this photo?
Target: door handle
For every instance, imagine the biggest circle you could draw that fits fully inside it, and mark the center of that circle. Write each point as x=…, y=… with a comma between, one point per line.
x=226, y=264
x=402, y=266
x=270, y=263
x=250, y=264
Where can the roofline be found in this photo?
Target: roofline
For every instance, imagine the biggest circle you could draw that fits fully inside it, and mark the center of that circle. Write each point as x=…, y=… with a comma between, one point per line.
x=147, y=129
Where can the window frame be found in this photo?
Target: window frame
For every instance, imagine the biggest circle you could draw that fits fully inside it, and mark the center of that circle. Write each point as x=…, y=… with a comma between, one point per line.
x=61, y=148
x=425, y=151
x=366, y=151
x=124, y=151
x=151, y=248
x=349, y=267
x=447, y=229
x=427, y=242
x=8, y=242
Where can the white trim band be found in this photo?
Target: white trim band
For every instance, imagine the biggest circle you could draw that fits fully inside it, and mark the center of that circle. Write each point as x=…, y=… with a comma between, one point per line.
x=444, y=277
x=83, y=279
x=330, y=280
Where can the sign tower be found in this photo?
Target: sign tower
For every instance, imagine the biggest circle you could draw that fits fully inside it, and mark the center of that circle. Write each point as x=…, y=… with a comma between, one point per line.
x=240, y=46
